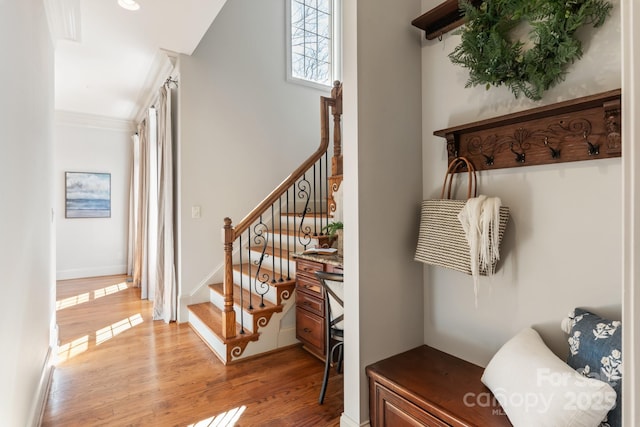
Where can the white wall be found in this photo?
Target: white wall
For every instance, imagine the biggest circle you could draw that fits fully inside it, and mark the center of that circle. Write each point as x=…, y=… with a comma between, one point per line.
x=27, y=297
x=631, y=235
x=562, y=247
x=383, y=170
x=243, y=129
x=88, y=247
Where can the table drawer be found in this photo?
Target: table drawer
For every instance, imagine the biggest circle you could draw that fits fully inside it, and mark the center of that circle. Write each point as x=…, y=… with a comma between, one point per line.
x=307, y=267
x=310, y=329
x=334, y=269
x=395, y=411
x=311, y=303
x=311, y=286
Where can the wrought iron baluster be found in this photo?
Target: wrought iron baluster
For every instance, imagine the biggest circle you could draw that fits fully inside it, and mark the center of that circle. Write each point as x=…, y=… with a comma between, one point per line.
x=295, y=216
x=321, y=199
x=304, y=192
x=280, y=228
x=273, y=247
x=288, y=251
x=315, y=209
x=249, y=264
x=241, y=288
x=326, y=186
x=260, y=280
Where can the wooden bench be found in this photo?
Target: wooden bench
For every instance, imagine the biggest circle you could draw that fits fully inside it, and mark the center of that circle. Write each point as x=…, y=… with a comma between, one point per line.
x=427, y=387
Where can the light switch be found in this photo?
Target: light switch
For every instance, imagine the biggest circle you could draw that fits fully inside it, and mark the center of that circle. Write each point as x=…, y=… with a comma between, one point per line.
x=195, y=211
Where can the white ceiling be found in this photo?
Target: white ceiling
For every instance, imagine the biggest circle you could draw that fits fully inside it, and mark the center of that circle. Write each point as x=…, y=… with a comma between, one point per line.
x=108, y=71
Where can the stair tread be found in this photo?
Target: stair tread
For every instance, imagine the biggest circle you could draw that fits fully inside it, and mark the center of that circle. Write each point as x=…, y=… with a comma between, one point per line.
x=269, y=306
x=265, y=274
x=211, y=316
x=307, y=215
x=270, y=251
x=294, y=232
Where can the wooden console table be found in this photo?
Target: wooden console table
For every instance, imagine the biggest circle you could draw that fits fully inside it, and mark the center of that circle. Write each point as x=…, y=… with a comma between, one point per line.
x=427, y=387
x=310, y=315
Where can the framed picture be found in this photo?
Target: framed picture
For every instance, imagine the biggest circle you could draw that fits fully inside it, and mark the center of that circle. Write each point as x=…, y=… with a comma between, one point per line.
x=87, y=195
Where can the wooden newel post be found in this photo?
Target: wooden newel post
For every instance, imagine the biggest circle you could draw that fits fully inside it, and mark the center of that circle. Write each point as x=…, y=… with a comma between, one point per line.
x=228, y=314
x=336, y=160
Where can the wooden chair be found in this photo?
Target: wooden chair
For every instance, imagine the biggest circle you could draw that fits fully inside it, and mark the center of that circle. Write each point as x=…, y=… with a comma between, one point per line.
x=334, y=334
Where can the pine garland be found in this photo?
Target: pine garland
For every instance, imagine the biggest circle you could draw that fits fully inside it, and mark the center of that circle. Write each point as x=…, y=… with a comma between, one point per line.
x=494, y=60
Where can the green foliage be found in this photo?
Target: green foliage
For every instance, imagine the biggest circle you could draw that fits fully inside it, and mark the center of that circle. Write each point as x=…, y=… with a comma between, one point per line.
x=332, y=227
x=494, y=60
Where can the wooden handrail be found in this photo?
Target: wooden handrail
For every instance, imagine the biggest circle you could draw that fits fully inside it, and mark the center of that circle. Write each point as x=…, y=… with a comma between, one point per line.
x=325, y=103
x=231, y=233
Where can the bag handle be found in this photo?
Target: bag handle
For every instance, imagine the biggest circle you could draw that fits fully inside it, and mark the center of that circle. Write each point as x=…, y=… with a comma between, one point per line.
x=451, y=170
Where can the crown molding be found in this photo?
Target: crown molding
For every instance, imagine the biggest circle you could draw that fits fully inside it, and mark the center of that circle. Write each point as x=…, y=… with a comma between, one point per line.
x=63, y=17
x=162, y=67
x=70, y=118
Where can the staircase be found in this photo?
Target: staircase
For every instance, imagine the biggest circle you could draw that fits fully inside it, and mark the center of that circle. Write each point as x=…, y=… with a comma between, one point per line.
x=252, y=311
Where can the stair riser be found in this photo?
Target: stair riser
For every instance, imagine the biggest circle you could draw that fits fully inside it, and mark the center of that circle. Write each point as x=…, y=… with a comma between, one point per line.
x=218, y=300
x=296, y=244
x=318, y=220
x=270, y=262
x=310, y=221
x=271, y=295
x=271, y=338
x=209, y=337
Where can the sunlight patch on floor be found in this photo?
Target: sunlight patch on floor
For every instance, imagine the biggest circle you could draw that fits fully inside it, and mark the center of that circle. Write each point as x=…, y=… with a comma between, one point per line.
x=73, y=348
x=80, y=345
x=225, y=419
x=110, y=290
x=71, y=301
x=117, y=328
x=86, y=297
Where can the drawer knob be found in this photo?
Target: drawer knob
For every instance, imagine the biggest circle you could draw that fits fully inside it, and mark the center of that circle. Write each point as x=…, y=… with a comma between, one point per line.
x=307, y=330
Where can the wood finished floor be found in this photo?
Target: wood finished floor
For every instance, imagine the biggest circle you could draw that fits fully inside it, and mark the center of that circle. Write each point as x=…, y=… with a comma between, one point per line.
x=118, y=367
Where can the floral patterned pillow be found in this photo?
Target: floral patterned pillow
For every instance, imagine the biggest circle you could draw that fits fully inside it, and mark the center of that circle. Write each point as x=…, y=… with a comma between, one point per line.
x=595, y=346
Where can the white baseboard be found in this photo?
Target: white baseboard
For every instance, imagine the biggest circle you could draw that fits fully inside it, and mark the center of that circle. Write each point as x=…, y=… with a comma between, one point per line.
x=40, y=401
x=345, y=421
x=77, y=273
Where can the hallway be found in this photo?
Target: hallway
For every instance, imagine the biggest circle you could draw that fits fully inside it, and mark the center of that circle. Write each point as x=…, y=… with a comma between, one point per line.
x=117, y=367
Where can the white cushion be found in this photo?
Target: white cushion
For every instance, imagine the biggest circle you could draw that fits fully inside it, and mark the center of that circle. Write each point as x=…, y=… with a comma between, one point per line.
x=537, y=389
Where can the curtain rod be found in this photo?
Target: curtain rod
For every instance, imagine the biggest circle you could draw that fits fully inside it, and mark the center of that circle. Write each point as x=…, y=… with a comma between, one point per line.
x=171, y=80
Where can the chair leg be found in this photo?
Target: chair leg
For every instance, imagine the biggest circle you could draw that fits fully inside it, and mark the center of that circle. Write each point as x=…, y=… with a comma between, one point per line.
x=327, y=366
x=325, y=380
x=340, y=357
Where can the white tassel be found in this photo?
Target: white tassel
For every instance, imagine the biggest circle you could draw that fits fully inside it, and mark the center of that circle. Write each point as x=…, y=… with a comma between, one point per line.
x=480, y=220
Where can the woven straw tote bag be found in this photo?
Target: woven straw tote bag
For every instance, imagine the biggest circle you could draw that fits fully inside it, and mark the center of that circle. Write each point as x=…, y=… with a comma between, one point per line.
x=441, y=240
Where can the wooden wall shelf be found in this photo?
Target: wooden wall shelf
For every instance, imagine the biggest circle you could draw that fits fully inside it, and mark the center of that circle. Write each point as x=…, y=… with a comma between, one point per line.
x=585, y=128
x=441, y=19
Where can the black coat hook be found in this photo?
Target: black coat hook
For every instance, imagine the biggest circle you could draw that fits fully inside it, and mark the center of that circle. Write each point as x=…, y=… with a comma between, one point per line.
x=594, y=149
x=520, y=157
x=555, y=152
x=488, y=160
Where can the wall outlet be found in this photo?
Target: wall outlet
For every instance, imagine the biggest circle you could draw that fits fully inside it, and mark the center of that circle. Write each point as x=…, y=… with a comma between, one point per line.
x=195, y=211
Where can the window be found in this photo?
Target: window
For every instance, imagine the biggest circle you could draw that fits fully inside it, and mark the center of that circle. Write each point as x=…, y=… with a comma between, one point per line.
x=312, y=45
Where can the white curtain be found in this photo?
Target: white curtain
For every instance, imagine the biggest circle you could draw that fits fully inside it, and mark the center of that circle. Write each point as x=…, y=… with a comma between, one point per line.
x=164, y=306
x=134, y=184
x=141, y=214
x=151, y=211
